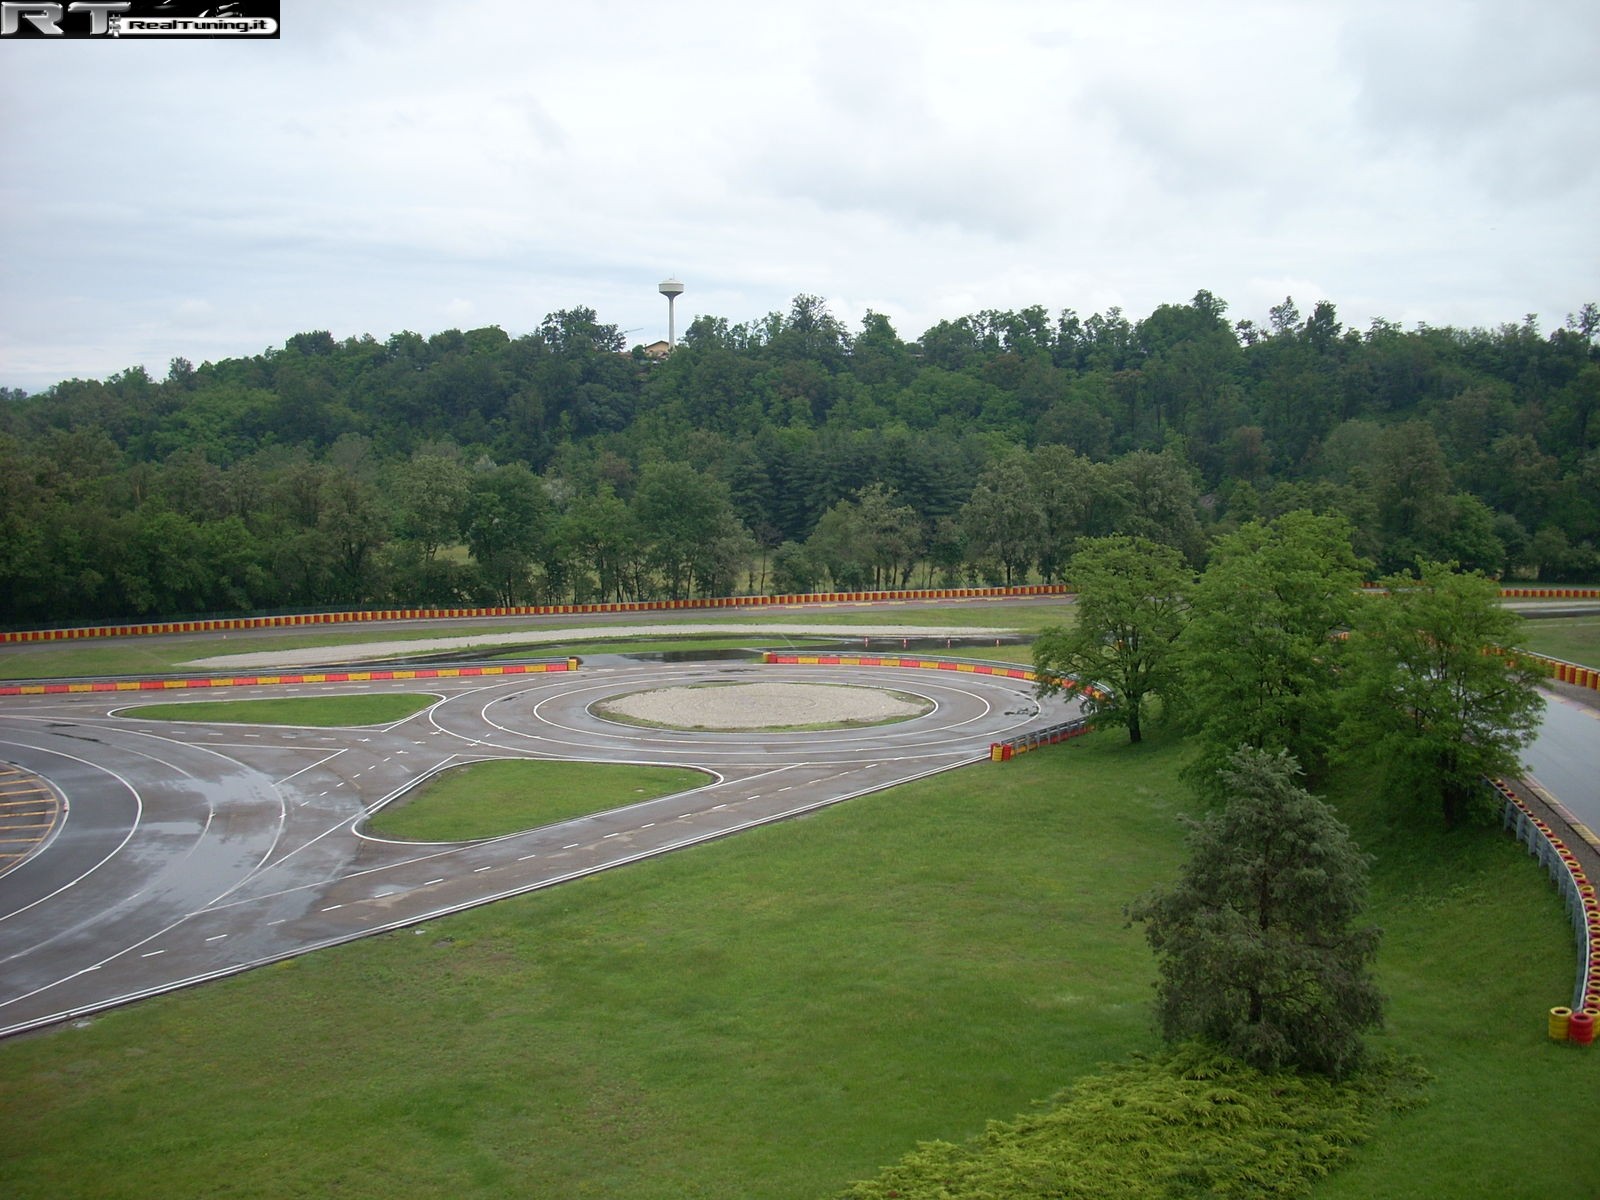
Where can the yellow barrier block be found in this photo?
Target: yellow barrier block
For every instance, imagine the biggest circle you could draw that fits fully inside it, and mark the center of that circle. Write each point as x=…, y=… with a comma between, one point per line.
x=1560, y=1022
x=405, y=675
x=809, y=660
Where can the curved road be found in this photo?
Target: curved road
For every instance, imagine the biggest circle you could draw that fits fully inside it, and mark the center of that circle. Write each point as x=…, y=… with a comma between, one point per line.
x=189, y=851
x=1564, y=758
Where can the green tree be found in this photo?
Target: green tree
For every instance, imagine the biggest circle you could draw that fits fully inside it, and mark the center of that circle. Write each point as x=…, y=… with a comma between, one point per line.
x=1432, y=699
x=1002, y=520
x=1257, y=947
x=682, y=515
x=1261, y=656
x=431, y=491
x=508, y=523
x=1162, y=500
x=1132, y=605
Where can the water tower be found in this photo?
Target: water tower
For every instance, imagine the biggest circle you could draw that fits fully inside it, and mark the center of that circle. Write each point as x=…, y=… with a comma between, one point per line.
x=671, y=289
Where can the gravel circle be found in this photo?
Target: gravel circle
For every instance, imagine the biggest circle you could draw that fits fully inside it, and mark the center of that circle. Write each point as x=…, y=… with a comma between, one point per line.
x=763, y=706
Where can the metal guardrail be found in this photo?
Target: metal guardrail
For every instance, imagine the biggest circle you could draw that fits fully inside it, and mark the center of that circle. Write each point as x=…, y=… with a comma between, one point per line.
x=1577, y=892
x=1050, y=735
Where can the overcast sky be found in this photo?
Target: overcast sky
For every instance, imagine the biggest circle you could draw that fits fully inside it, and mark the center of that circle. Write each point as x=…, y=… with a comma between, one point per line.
x=397, y=164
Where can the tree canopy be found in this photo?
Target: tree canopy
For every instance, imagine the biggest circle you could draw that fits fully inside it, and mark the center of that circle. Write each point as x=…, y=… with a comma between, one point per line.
x=1262, y=652
x=1132, y=606
x=1433, y=698
x=1257, y=944
x=337, y=472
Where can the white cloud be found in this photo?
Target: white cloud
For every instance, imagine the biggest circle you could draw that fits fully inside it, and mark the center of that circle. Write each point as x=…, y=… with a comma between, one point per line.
x=368, y=172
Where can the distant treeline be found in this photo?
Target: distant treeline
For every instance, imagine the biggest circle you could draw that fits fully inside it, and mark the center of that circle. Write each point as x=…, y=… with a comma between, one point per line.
x=785, y=454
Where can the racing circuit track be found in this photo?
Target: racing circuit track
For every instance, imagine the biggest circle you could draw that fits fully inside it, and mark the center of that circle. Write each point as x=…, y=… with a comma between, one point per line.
x=190, y=851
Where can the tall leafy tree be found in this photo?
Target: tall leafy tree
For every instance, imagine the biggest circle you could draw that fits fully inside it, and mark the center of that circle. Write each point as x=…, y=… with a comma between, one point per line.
x=1433, y=699
x=682, y=517
x=1002, y=520
x=1262, y=655
x=508, y=521
x=1258, y=947
x=1132, y=605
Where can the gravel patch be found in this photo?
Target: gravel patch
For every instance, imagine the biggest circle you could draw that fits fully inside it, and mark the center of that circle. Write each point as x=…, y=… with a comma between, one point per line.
x=763, y=706
x=375, y=651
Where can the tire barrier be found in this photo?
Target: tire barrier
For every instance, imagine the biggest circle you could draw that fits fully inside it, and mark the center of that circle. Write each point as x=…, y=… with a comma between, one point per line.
x=1575, y=1023
x=1523, y=593
x=234, y=624
x=1565, y=672
x=223, y=681
x=1549, y=593
x=785, y=658
x=998, y=751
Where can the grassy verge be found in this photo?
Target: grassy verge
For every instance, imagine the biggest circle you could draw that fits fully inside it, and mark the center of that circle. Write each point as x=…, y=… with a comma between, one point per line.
x=1476, y=950
x=688, y=644
x=487, y=799
x=326, y=711
x=776, y=1014
x=1573, y=639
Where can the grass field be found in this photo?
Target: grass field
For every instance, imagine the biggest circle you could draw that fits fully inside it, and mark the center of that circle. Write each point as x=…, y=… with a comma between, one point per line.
x=774, y=1014
x=488, y=799
x=1572, y=639
x=320, y=711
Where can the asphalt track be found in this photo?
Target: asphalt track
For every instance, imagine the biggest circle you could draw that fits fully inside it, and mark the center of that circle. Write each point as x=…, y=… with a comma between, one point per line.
x=190, y=851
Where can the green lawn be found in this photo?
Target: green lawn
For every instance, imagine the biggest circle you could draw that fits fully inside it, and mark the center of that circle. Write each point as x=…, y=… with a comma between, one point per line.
x=488, y=799
x=328, y=711
x=1573, y=639
x=775, y=1014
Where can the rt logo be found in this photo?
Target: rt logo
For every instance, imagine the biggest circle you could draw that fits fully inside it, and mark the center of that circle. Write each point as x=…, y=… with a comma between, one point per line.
x=21, y=19
x=46, y=18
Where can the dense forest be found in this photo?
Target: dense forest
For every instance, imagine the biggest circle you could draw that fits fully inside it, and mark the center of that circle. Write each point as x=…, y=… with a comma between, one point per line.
x=785, y=454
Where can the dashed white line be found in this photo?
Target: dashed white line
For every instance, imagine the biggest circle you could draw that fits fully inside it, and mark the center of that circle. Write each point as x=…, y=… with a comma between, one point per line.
x=331, y=907
x=152, y=954
x=481, y=870
x=217, y=937
x=431, y=882
x=526, y=857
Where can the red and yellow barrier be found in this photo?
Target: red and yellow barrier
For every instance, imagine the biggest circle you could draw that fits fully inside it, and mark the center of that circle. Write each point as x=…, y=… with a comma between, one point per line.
x=218, y=681
x=915, y=664
x=1562, y=671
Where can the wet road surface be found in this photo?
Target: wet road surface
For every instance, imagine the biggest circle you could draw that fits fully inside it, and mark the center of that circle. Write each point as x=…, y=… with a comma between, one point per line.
x=189, y=851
